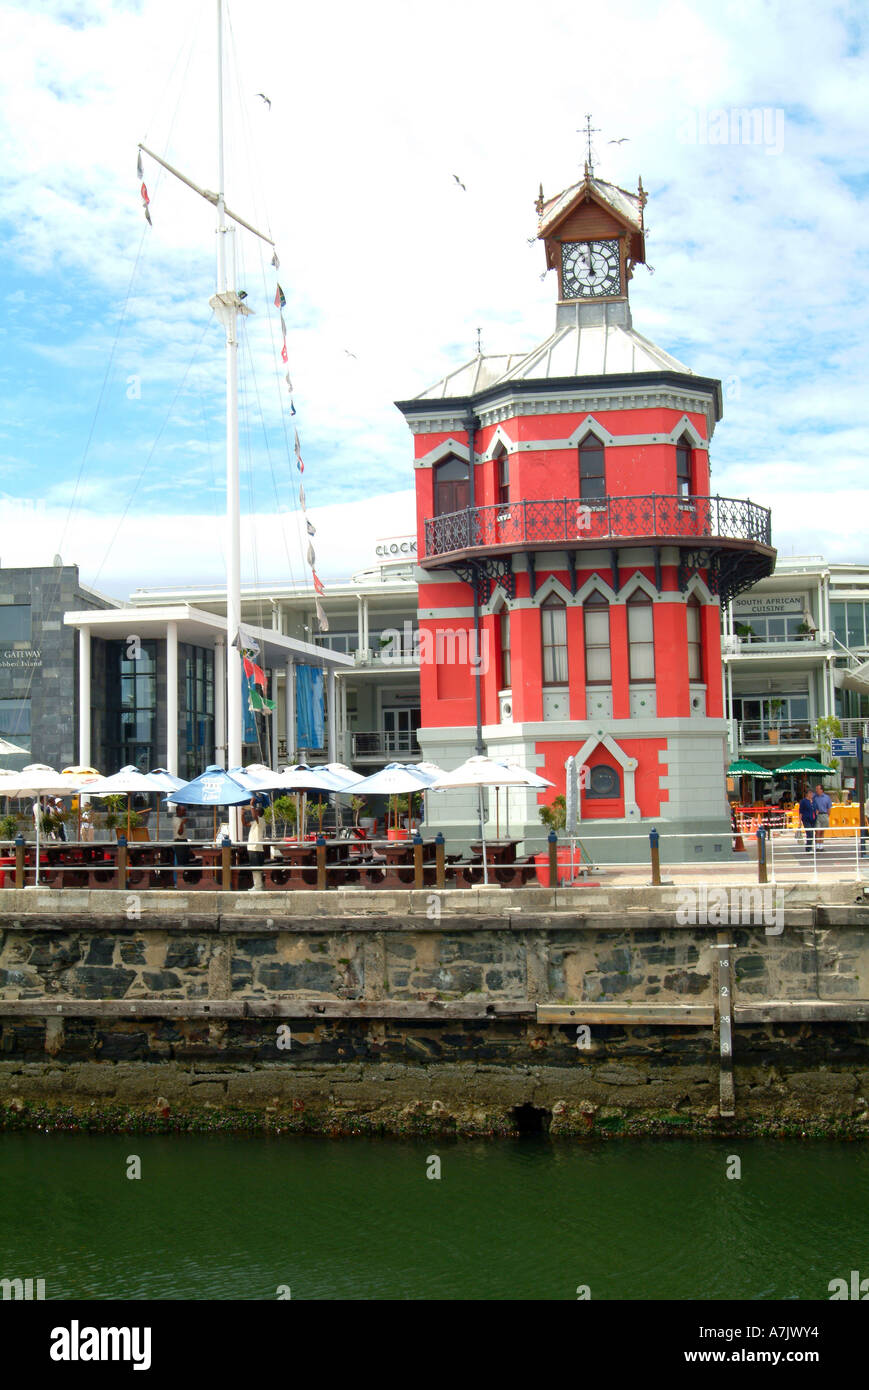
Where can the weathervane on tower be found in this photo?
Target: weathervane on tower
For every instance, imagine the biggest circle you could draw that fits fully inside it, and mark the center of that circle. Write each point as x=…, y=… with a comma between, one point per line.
x=589, y=153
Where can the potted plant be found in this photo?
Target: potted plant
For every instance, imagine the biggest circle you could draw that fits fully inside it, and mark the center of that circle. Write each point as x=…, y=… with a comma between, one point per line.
x=746, y=632
x=775, y=710
x=397, y=808
x=8, y=828
x=282, y=809
x=806, y=629
x=554, y=817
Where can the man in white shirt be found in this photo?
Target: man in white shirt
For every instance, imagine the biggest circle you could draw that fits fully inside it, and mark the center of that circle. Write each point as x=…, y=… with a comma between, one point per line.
x=255, y=852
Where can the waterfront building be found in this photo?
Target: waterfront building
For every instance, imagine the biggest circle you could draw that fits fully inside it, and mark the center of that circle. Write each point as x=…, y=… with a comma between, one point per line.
x=38, y=662
x=796, y=650
x=135, y=712
x=572, y=562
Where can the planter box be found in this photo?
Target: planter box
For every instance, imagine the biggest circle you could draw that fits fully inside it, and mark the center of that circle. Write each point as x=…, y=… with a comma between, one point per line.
x=565, y=869
x=772, y=735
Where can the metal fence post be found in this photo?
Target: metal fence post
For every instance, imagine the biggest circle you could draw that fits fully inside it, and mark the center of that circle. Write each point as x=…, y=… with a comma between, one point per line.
x=761, y=855
x=553, y=859
x=417, y=861
x=19, y=861
x=226, y=864
x=122, y=863
x=440, y=860
x=654, y=840
x=321, y=863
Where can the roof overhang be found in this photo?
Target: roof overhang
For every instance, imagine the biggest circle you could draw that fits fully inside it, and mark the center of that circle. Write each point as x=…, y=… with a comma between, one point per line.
x=200, y=629
x=616, y=383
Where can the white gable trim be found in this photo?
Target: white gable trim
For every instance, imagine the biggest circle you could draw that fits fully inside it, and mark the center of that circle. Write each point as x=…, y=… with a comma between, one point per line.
x=596, y=582
x=551, y=585
x=499, y=437
x=626, y=763
x=698, y=586
x=686, y=427
x=589, y=426
x=637, y=582
x=451, y=448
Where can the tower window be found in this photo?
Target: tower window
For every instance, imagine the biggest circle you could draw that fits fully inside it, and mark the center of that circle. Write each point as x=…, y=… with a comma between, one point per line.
x=683, y=468
x=641, y=643
x=553, y=618
x=596, y=619
x=451, y=486
x=506, y=673
x=592, y=481
x=604, y=783
x=695, y=642
x=502, y=463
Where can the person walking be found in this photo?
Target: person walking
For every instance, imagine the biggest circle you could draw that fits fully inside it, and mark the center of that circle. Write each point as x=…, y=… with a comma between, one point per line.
x=255, y=852
x=807, y=815
x=822, y=804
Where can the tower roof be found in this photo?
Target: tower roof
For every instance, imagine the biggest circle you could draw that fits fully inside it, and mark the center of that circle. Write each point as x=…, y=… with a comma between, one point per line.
x=578, y=348
x=628, y=207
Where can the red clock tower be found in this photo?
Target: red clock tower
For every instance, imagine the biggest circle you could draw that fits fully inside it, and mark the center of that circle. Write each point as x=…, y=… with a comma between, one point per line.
x=573, y=562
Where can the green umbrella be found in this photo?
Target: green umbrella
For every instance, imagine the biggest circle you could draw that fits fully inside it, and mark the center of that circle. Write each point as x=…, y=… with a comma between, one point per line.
x=805, y=765
x=744, y=767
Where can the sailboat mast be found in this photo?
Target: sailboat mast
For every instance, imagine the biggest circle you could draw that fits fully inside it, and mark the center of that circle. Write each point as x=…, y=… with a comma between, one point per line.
x=229, y=317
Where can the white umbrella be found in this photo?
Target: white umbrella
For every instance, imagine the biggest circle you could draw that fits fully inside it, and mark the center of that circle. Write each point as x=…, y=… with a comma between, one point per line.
x=7, y=747
x=432, y=772
x=37, y=780
x=304, y=779
x=483, y=772
x=165, y=782
x=126, y=783
x=344, y=773
x=393, y=780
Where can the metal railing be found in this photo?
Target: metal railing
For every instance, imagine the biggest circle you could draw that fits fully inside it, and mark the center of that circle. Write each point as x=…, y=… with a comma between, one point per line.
x=563, y=520
x=382, y=742
x=755, y=731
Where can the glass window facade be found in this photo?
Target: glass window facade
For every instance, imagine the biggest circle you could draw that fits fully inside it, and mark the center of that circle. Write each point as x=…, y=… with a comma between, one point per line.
x=198, y=716
x=15, y=722
x=14, y=624
x=850, y=622
x=131, y=706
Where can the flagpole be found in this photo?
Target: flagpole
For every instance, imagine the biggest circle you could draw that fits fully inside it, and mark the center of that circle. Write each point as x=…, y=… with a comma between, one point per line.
x=226, y=305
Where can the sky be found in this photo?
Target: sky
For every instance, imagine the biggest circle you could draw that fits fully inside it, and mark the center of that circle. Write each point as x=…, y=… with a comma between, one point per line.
x=111, y=361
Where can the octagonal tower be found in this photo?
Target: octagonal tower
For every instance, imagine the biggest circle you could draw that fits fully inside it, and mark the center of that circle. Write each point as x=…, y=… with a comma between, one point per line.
x=573, y=562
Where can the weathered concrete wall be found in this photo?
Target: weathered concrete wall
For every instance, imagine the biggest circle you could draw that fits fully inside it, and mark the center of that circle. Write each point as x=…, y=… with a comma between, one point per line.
x=342, y=1016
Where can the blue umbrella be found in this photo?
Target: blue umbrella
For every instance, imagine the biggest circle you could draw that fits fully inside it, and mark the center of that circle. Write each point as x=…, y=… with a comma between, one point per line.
x=213, y=787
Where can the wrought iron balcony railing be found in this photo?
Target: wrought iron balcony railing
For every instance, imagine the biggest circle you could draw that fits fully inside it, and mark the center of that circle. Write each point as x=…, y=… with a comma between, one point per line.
x=572, y=520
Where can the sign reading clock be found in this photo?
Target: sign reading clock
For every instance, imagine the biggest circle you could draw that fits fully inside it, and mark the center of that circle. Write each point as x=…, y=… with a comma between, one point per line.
x=590, y=269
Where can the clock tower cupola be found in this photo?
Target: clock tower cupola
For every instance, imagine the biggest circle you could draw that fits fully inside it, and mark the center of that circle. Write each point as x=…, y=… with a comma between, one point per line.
x=594, y=235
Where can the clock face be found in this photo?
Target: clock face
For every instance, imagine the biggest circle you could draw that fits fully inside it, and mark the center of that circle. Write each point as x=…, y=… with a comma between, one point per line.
x=590, y=269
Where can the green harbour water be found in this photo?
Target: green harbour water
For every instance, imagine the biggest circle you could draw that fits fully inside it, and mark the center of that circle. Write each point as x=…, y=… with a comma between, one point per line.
x=236, y=1217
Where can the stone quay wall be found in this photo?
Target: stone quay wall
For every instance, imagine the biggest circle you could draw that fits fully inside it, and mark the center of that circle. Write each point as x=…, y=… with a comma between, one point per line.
x=584, y=1011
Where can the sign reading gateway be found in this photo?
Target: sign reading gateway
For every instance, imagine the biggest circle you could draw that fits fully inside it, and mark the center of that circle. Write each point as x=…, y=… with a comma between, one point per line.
x=12, y=659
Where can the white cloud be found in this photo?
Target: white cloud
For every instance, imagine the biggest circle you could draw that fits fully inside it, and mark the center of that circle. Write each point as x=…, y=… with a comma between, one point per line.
x=760, y=259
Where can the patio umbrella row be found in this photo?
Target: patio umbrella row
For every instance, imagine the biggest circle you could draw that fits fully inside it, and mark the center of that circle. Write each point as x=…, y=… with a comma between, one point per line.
x=218, y=787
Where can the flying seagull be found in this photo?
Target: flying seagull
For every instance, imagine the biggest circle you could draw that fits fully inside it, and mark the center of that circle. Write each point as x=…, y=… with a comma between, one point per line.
x=351, y=354
x=624, y=140
x=459, y=182
x=266, y=99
